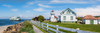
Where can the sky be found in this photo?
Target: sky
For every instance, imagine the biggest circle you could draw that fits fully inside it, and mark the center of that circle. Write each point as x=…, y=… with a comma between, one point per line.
x=28, y=9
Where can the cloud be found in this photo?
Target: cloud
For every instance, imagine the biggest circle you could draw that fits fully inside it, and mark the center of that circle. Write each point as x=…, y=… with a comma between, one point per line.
x=29, y=4
x=20, y=15
x=39, y=9
x=46, y=15
x=70, y=1
x=24, y=16
x=14, y=9
x=97, y=0
x=28, y=11
x=6, y=5
x=88, y=11
x=44, y=5
x=94, y=10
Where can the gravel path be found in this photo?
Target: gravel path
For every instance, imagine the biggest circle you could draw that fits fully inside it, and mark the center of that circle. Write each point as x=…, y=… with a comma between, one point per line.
x=36, y=29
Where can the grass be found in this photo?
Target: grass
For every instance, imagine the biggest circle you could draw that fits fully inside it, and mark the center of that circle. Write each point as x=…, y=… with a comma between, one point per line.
x=27, y=27
x=59, y=29
x=89, y=27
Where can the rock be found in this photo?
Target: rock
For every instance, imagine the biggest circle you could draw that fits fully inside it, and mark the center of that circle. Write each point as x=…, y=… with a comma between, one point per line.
x=14, y=32
x=14, y=28
x=24, y=32
x=9, y=28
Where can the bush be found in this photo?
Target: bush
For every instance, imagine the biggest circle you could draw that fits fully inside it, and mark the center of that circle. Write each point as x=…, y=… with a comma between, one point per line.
x=41, y=18
x=27, y=27
x=27, y=24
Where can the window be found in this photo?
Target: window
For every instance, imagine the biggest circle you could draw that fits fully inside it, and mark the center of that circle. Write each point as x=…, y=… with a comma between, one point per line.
x=67, y=12
x=98, y=20
x=71, y=18
x=64, y=17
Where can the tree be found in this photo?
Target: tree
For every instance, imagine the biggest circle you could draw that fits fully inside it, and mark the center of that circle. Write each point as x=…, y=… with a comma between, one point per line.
x=41, y=18
x=78, y=18
x=35, y=19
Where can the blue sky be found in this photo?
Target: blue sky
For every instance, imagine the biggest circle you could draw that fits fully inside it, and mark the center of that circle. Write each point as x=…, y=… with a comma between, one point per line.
x=32, y=8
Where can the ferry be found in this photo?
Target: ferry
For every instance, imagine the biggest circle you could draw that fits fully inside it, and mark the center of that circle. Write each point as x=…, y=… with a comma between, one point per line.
x=14, y=18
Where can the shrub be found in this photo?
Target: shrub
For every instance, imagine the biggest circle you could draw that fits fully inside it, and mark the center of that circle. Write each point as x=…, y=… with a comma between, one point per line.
x=27, y=27
x=28, y=24
x=41, y=18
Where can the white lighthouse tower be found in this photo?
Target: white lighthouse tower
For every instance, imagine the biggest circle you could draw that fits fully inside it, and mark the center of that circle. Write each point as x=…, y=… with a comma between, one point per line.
x=53, y=18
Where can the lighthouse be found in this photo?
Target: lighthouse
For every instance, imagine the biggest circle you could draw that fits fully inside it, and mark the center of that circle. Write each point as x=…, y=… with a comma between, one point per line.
x=53, y=18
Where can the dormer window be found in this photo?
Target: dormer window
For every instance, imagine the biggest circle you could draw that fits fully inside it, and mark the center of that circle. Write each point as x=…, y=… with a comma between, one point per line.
x=68, y=12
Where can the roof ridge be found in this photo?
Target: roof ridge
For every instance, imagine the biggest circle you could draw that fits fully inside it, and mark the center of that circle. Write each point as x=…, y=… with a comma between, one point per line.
x=68, y=9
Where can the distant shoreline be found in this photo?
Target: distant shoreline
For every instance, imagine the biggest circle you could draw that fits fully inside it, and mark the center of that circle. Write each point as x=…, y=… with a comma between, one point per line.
x=5, y=22
x=7, y=25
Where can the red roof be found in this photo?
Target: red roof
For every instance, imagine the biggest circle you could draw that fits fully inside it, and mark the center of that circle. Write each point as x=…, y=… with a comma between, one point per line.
x=89, y=17
x=98, y=18
x=55, y=16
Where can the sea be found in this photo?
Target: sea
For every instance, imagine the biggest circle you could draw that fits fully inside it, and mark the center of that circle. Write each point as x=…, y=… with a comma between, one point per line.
x=4, y=22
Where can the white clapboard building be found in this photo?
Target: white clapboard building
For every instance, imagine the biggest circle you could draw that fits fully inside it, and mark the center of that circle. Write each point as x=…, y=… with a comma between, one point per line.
x=67, y=16
x=89, y=19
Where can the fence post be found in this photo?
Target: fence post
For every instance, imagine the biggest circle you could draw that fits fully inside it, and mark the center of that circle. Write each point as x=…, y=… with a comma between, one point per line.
x=57, y=29
x=77, y=29
x=42, y=25
x=39, y=24
x=47, y=26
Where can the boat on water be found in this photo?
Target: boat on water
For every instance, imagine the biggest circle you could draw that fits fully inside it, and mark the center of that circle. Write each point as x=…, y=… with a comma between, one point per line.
x=14, y=18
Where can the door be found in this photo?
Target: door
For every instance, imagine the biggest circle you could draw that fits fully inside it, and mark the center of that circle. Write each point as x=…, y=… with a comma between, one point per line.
x=91, y=22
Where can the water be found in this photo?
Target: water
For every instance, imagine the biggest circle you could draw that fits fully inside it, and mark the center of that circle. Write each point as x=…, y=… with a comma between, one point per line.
x=4, y=22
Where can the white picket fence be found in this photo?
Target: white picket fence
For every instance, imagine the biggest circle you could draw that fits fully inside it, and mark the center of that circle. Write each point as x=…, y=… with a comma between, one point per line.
x=46, y=25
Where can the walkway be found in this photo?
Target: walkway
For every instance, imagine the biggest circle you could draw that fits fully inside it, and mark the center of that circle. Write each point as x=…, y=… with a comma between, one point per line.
x=36, y=29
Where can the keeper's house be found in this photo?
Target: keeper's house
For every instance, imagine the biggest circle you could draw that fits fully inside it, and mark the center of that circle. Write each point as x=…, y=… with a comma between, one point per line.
x=67, y=16
x=89, y=19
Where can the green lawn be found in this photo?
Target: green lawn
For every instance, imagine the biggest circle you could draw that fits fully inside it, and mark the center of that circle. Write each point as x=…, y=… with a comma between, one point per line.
x=85, y=27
